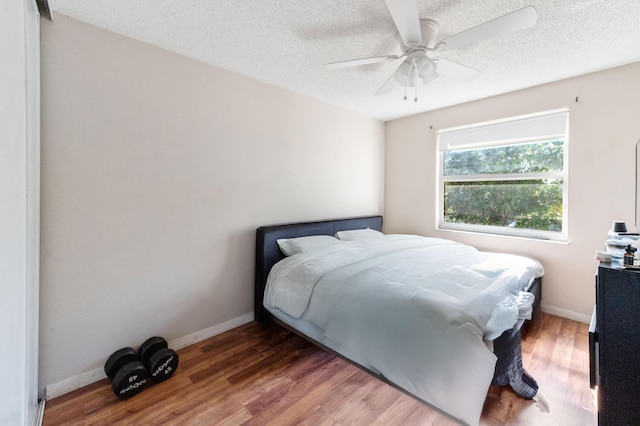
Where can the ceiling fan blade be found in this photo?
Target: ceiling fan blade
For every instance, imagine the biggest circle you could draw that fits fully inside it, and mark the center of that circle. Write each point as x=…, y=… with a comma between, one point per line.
x=405, y=16
x=455, y=70
x=506, y=24
x=358, y=62
x=388, y=86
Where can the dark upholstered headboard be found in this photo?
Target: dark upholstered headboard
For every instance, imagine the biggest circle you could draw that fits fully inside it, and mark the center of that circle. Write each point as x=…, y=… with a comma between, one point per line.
x=268, y=253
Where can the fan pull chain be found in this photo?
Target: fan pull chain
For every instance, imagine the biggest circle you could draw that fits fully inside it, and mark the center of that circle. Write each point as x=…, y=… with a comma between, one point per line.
x=415, y=82
x=405, y=92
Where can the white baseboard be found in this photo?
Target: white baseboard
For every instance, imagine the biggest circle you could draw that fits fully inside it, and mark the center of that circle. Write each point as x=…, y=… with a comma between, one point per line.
x=88, y=377
x=73, y=383
x=564, y=313
x=37, y=420
x=199, y=336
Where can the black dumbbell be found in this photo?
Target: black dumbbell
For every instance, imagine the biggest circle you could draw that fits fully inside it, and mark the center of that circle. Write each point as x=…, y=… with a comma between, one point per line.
x=127, y=373
x=158, y=358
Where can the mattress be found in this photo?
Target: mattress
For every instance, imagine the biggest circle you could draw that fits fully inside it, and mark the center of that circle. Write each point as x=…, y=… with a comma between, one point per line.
x=415, y=310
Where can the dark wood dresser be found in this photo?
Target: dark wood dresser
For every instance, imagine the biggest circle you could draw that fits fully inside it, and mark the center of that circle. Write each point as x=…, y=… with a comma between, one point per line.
x=615, y=345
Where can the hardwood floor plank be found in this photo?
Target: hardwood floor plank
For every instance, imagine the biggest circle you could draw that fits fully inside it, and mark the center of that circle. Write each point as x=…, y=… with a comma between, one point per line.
x=407, y=411
x=315, y=403
x=261, y=367
x=282, y=399
x=357, y=388
x=541, y=350
x=255, y=375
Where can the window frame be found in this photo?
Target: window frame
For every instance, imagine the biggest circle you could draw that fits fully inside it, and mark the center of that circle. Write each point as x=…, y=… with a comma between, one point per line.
x=493, y=142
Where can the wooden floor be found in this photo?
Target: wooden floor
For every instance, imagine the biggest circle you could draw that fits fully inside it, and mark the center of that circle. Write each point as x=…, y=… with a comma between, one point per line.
x=267, y=376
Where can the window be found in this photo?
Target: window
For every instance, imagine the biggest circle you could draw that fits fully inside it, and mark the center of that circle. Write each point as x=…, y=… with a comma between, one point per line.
x=505, y=177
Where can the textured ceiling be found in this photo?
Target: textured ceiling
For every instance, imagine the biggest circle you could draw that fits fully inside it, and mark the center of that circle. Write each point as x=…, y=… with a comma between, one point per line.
x=287, y=42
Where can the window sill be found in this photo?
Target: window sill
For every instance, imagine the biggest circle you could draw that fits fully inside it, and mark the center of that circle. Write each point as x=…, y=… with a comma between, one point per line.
x=505, y=233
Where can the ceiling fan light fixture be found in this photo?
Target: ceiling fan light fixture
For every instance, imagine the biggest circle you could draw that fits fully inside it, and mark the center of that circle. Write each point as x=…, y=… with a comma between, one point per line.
x=404, y=72
x=426, y=69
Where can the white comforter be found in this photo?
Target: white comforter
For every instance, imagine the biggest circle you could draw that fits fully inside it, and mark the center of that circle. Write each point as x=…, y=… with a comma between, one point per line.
x=414, y=309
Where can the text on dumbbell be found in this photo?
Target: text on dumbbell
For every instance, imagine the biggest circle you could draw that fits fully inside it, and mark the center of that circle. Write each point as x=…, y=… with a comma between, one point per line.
x=163, y=366
x=133, y=386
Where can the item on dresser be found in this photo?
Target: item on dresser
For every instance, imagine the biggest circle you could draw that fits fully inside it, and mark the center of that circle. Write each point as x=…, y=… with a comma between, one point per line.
x=603, y=256
x=618, y=227
x=629, y=255
x=618, y=239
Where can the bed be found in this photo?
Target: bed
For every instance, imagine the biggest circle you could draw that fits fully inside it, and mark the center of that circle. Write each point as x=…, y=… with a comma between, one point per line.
x=424, y=348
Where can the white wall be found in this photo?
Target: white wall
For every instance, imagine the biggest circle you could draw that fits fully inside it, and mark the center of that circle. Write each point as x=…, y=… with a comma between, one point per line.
x=156, y=170
x=604, y=128
x=19, y=212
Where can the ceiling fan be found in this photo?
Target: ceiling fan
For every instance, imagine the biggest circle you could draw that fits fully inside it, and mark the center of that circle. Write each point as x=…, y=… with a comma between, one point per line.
x=420, y=38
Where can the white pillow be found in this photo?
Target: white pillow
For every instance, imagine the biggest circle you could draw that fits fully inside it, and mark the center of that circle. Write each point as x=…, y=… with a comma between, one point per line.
x=291, y=246
x=359, y=234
